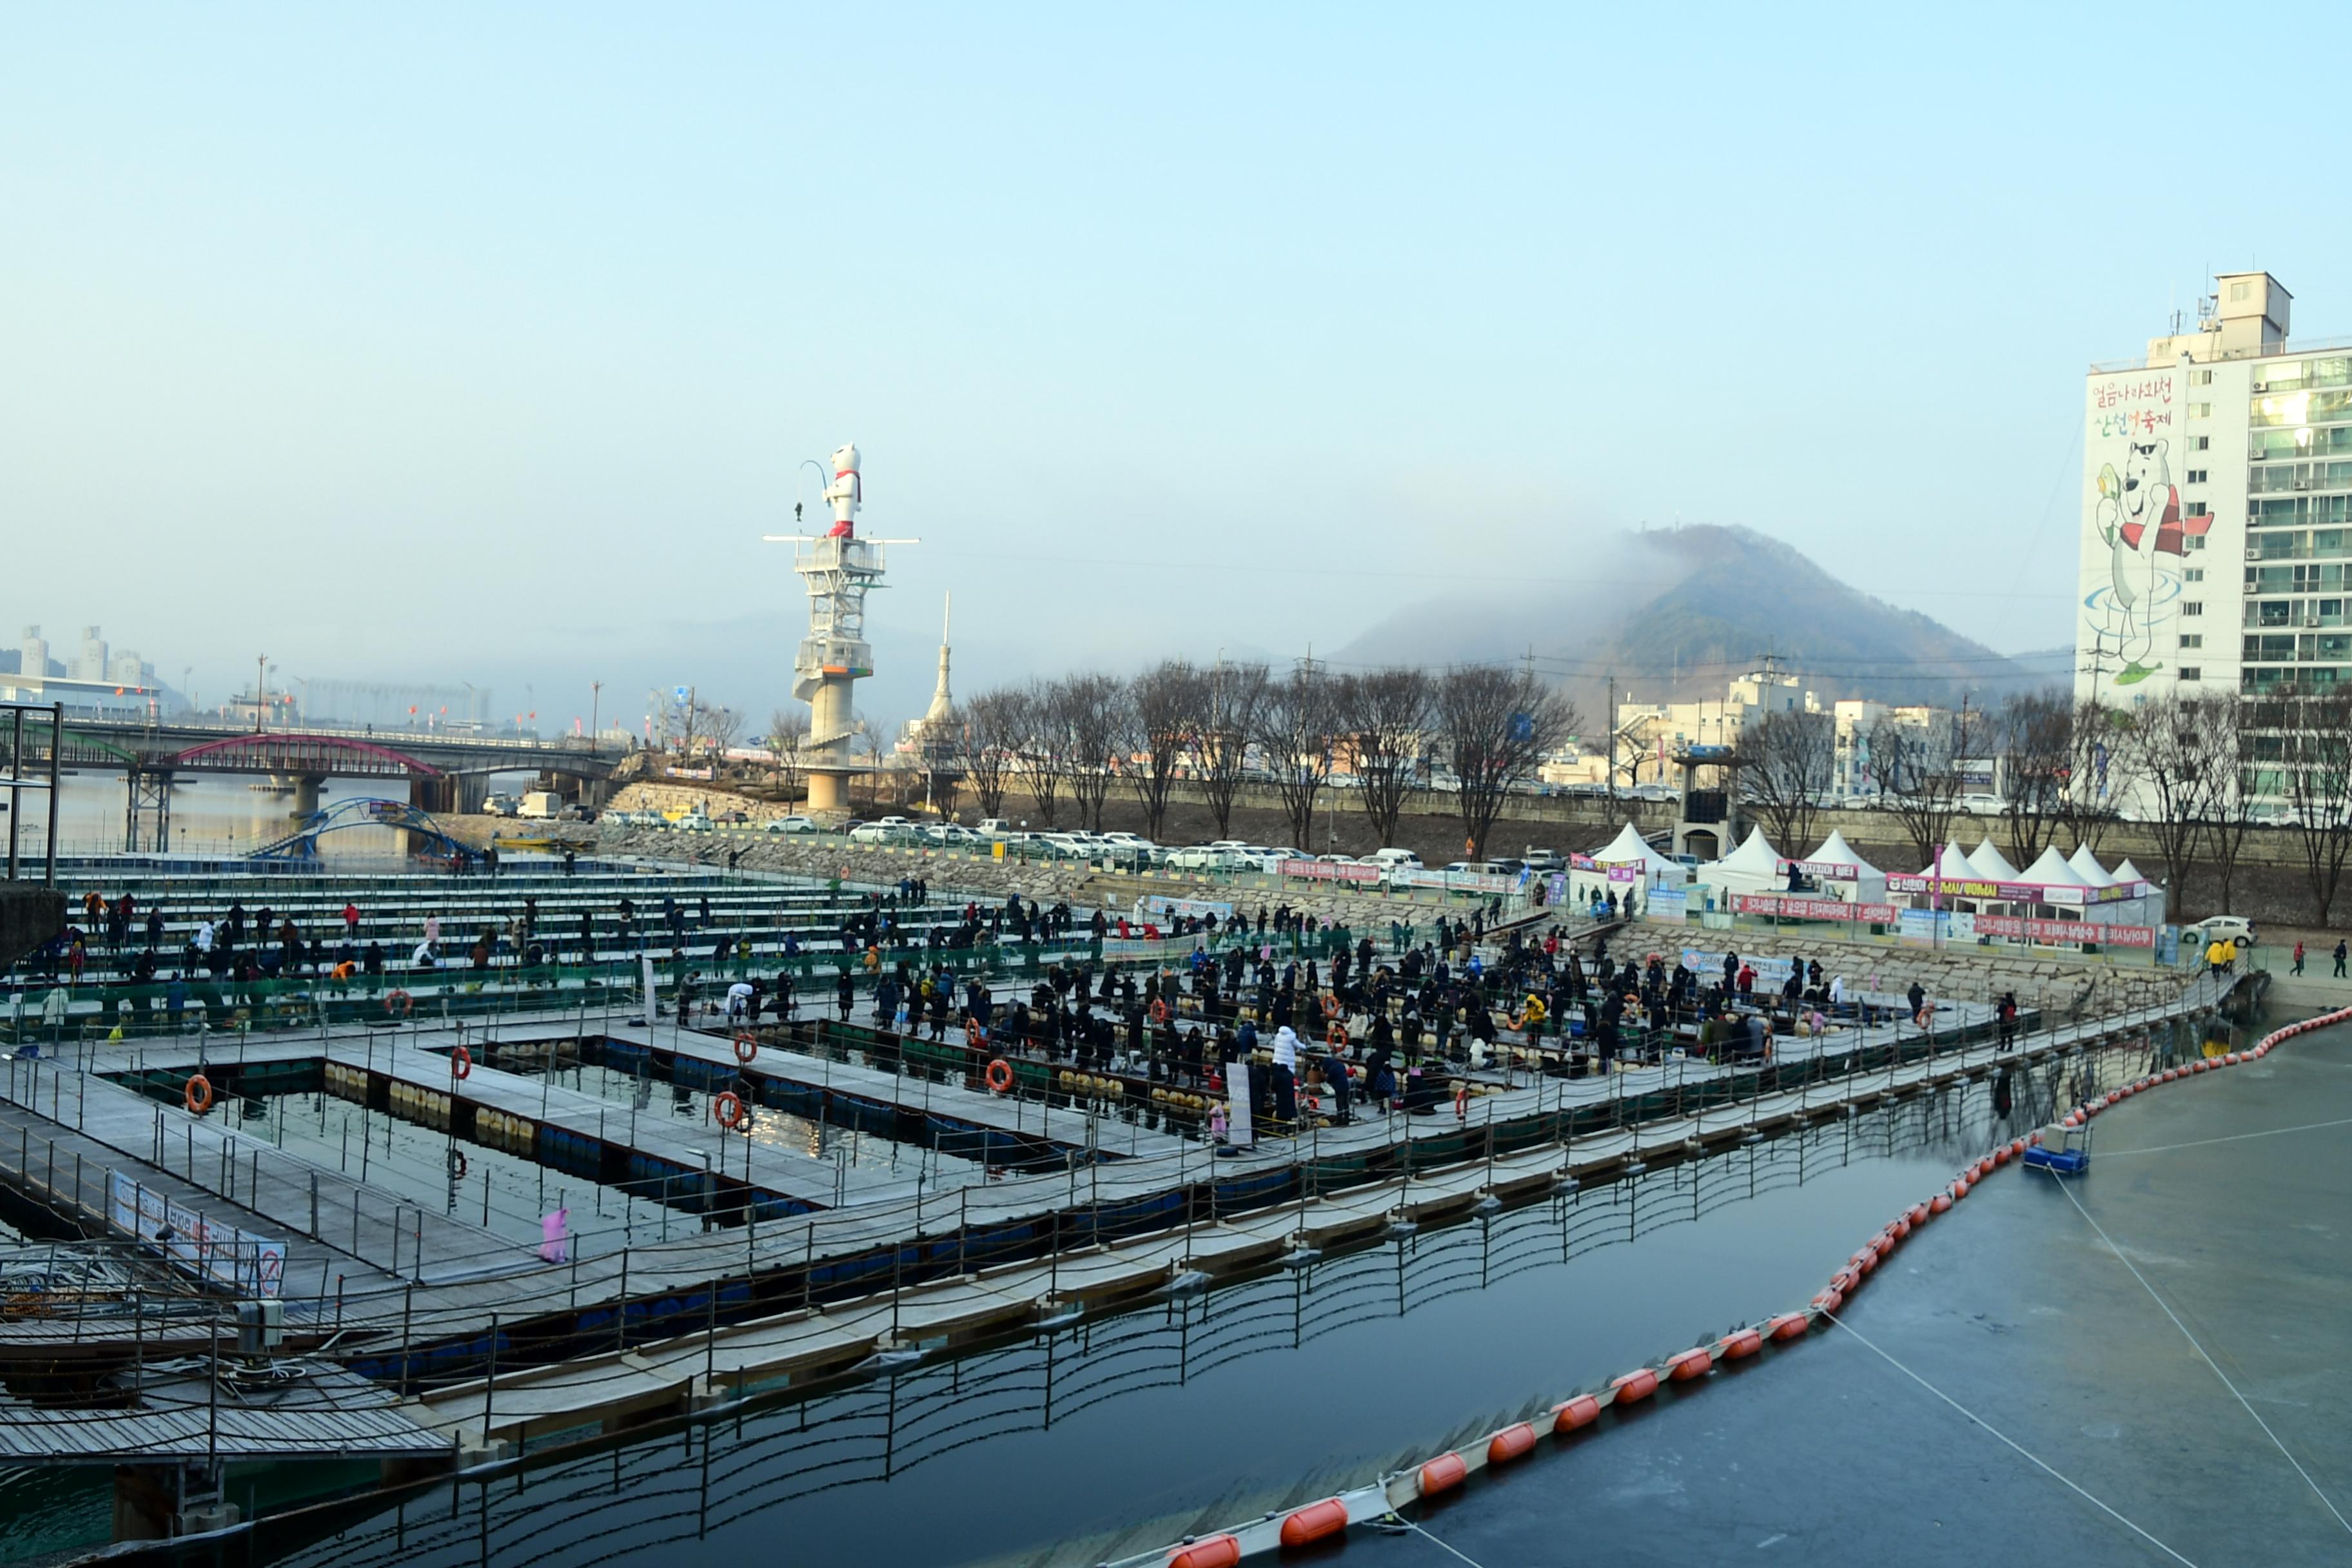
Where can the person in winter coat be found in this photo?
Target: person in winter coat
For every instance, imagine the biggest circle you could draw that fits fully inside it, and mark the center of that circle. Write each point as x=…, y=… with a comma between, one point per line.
x=1286, y=1075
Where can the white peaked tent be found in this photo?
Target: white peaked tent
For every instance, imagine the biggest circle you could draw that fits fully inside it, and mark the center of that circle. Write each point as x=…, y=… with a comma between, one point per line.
x=2128, y=872
x=1630, y=849
x=1953, y=865
x=1991, y=864
x=1753, y=868
x=2051, y=871
x=1652, y=870
x=1868, y=885
x=2086, y=866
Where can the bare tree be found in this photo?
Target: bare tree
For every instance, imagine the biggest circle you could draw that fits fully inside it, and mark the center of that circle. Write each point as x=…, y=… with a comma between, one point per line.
x=695, y=725
x=1383, y=715
x=2221, y=716
x=1493, y=726
x=1045, y=749
x=1167, y=707
x=1085, y=710
x=2034, y=733
x=1294, y=735
x=1236, y=693
x=2100, y=772
x=991, y=745
x=788, y=729
x=2175, y=773
x=1786, y=762
x=1919, y=768
x=2314, y=739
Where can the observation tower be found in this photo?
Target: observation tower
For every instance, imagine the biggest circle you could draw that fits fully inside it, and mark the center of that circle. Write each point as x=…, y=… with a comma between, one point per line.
x=839, y=570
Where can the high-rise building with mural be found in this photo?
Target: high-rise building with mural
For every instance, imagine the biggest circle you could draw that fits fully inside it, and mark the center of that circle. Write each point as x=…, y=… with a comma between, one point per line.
x=2217, y=507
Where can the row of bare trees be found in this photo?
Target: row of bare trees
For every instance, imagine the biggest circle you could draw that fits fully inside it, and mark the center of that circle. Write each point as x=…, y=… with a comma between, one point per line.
x=2213, y=767
x=1375, y=736
x=2199, y=771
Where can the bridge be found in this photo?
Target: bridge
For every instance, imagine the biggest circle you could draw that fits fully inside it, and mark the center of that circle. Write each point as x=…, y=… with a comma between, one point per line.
x=445, y=772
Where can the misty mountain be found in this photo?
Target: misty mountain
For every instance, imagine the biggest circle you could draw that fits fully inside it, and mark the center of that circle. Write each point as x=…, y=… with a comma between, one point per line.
x=1675, y=612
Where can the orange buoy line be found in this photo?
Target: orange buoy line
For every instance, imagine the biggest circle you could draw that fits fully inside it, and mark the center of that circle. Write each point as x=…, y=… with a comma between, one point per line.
x=1449, y=1470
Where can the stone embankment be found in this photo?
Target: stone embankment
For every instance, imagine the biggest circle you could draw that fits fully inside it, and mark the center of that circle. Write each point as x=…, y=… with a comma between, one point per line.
x=987, y=878
x=1965, y=972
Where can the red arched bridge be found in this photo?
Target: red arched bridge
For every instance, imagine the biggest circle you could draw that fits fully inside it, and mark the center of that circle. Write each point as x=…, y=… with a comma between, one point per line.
x=445, y=774
x=342, y=756
x=189, y=747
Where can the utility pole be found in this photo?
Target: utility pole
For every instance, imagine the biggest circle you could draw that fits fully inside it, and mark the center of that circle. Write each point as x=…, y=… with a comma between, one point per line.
x=596, y=699
x=1609, y=719
x=260, y=682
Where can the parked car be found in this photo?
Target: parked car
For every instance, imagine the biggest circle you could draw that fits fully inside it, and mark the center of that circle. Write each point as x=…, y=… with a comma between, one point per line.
x=1978, y=804
x=997, y=828
x=1393, y=859
x=789, y=825
x=2219, y=928
x=693, y=822
x=1204, y=857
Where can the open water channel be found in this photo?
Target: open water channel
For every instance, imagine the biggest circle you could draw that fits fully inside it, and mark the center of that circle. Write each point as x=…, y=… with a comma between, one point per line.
x=1121, y=1433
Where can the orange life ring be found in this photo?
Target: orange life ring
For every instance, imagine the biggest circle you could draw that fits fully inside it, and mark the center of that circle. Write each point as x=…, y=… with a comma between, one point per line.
x=461, y=1063
x=746, y=1048
x=973, y=1034
x=458, y=1164
x=729, y=1109
x=1337, y=1034
x=1000, y=1075
x=1462, y=1100
x=399, y=1002
x=199, y=1094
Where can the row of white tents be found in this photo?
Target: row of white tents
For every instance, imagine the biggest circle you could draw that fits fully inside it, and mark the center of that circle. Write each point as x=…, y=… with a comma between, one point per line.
x=1834, y=871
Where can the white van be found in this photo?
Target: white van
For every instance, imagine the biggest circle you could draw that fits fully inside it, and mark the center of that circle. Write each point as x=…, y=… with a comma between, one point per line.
x=542, y=804
x=1393, y=859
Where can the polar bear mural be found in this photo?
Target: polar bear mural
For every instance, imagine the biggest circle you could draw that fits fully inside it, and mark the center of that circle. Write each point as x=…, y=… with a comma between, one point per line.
x=2139, y=517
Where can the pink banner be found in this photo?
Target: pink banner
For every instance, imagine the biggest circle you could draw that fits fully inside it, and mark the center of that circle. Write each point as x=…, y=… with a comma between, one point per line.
x=2065, y=933
x=1789, y=908
x=1330, y=872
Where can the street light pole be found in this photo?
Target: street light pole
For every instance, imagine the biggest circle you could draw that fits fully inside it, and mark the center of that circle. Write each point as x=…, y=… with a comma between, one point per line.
x=261, y=685
x=595, y=696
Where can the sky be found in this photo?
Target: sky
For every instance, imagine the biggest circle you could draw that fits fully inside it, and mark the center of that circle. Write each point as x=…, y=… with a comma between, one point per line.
x=443, y=343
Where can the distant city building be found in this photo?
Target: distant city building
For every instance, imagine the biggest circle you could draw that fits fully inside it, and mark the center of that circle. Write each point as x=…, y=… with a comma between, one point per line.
x=2217, y=509
x=1649, y=733
x=96, y=682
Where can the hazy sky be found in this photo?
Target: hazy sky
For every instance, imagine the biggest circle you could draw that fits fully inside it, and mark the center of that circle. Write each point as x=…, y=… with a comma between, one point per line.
x=483, y=342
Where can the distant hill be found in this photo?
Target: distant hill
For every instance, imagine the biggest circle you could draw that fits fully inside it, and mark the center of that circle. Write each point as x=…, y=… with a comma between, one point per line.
x=1676, y=613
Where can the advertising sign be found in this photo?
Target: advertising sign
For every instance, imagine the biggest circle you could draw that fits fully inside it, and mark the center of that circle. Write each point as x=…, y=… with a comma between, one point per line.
x=2065, y=932
x=1162, y=904
x=1330, y=872
x=205, y=1247
x=1801, y=908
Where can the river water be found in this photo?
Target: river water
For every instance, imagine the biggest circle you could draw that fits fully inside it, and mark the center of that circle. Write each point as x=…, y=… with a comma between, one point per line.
x=1122, y=1433
x=211, y=815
